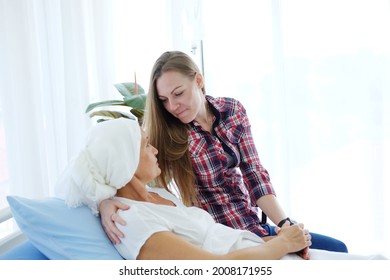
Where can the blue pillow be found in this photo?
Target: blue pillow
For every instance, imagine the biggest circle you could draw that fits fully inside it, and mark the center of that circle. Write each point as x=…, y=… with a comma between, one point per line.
x=23, y=251
x=60, y=232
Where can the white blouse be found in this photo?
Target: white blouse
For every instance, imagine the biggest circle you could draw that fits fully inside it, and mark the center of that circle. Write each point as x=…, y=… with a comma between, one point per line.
x=191, y=223
x=197, y=227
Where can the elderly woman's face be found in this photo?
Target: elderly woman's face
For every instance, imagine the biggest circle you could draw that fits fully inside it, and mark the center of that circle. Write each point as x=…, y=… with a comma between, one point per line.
x=180, y=95
x=147, y=168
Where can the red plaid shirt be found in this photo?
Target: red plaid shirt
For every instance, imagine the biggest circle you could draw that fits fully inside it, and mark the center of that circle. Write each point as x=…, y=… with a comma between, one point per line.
x=229, y=193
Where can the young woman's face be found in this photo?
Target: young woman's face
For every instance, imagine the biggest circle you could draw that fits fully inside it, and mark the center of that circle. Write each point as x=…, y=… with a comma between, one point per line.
x=148, y=168
x=181, y=96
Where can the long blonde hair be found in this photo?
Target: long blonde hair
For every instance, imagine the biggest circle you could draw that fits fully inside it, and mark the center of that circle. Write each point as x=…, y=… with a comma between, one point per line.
x=168, y=134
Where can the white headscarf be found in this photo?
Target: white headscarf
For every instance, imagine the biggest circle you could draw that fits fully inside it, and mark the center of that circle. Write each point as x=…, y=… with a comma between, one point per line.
x=107, y=163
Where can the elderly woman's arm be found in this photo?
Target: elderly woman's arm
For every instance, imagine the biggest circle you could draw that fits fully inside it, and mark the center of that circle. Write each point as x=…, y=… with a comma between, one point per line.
x=167, y=245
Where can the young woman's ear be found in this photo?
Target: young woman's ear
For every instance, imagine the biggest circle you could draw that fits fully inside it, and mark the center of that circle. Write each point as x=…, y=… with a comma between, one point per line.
x=199, y=80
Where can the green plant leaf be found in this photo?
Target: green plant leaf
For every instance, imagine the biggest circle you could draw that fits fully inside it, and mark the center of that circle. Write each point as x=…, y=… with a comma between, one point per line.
x=104, y=103
x=138, y=113
x=136, y=101
x=108, y=114
x=128, y=89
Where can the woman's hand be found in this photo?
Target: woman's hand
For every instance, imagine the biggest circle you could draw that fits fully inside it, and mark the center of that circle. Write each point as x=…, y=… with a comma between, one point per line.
x=304, y=253
x=108, y=216
x=299, y=238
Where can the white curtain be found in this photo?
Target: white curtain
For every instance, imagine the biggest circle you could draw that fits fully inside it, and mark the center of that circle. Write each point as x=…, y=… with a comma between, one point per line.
x=315, y=79
x=141, y=34
x=55, y=59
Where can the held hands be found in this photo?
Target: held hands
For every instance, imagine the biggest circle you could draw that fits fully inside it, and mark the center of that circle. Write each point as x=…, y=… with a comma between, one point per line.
x=298, y=238
x=108, y=216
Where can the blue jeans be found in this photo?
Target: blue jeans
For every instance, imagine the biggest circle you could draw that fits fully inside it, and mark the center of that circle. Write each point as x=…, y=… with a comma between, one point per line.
x=319, y=241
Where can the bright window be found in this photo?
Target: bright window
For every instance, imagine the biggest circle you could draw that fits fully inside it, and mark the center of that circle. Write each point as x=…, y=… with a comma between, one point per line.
x=314, y=78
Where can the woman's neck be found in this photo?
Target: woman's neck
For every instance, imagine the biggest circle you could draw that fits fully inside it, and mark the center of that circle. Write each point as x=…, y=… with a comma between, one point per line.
x=206, y=118
x=136, y=190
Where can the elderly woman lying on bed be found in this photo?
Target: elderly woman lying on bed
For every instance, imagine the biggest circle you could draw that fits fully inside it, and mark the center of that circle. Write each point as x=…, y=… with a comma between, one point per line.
x=118, y=161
